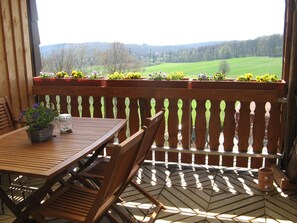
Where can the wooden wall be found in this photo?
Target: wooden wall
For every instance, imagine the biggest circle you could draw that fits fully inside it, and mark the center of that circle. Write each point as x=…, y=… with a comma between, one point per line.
x=290, y=75
x=15, y=54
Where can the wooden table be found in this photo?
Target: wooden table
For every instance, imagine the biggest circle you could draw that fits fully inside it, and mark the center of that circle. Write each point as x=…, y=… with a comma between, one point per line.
x=51, y=159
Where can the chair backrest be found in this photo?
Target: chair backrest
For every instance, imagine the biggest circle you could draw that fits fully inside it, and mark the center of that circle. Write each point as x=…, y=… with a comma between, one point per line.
x=123, y=156
x=152, y=125
x=7, y=123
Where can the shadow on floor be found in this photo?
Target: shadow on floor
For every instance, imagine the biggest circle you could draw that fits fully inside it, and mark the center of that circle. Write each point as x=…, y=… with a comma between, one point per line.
x=198, y=194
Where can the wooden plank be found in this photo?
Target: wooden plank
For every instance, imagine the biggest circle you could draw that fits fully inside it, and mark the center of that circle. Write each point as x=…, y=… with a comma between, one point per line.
x=159, y=140
x=4, y=77
x=219, y=153
x=121, y=113
x=161, y=93
x=109, y=107
x=186, y=130
x=258, y=133
x=10, y=53
x=287, y=46
x=214, y=131
x=27, y=52
x=160, y=135
x=290, y=124
x=74, y=106
x=281, y=179
x=274, y=131
x=172, y=123
x=200, y=128
x=186, y=123
x=134, y=122
x=243, y=133
x=229, y=131
x=85, y=107
x=19, y=54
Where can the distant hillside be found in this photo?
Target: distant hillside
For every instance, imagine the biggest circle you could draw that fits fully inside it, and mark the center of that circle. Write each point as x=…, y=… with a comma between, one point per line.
x=135, y=49
x=267, y=46
x=271, y=46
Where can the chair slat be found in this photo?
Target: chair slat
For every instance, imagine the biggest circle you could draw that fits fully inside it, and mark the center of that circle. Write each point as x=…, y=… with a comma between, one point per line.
x=6, y=118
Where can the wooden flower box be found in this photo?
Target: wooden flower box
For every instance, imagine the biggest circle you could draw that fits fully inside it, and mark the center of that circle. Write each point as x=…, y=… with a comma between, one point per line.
x=68, y=82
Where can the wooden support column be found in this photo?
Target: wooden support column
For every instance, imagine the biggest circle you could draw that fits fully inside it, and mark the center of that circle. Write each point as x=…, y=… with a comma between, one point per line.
x=290, y=130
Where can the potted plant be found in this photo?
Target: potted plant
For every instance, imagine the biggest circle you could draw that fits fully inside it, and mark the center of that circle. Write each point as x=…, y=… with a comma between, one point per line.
x=163, y=80
x=219, y=77
x=131, y=79
x=39, y=120
x=264, y=82
x=62, y=78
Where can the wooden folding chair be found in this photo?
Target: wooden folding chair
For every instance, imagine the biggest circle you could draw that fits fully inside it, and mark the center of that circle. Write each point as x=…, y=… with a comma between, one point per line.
x=77, y=203
x=7, y=122
x=96, y=171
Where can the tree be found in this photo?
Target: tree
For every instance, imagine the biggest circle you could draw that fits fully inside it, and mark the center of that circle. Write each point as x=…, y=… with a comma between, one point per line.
x=224, y=67
x=65, y=59
x=61, y=59
x=118, y=59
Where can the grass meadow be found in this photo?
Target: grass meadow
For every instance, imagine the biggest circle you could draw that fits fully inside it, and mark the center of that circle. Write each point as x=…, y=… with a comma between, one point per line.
x=238, y=66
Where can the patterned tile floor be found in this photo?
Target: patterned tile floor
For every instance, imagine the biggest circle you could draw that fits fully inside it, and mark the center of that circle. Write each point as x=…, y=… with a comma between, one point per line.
x=204, y=194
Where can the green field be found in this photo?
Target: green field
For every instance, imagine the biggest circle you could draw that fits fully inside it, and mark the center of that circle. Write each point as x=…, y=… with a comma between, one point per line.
x=238, y=66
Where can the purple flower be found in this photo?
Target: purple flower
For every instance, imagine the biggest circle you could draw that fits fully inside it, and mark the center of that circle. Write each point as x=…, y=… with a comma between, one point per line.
x=36, y=105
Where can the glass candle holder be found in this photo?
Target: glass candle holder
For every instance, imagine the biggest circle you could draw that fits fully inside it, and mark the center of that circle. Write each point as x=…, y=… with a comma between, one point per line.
x=65, y=123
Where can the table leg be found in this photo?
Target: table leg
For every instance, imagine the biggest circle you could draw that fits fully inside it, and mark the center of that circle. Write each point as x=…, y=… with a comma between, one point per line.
x=23, y=209
x=8, y=202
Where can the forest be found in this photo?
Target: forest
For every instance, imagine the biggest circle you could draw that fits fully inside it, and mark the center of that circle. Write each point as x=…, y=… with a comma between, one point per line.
x=134, y=57
x=270, y=46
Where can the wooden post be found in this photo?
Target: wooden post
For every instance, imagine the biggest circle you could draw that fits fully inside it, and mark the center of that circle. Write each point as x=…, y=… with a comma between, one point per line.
x=290, y=129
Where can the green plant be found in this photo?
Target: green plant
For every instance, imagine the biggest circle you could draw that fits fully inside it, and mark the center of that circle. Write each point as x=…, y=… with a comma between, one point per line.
x=46, y=75
x=245, y=77
x=95, y=75
x=38, y=117
x=267, y=78
x=77, y=74
x=62, y=74
x=219, y=77
x=203, y=77
x=116, y=76
x=133, y=75
x=157, y=76
x=175, y=76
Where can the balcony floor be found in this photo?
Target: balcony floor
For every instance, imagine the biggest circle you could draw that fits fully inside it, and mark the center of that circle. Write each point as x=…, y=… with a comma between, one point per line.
x=205, y=194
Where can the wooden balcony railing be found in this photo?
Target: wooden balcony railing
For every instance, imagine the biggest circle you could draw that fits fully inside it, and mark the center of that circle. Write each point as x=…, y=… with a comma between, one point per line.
x=216, y=123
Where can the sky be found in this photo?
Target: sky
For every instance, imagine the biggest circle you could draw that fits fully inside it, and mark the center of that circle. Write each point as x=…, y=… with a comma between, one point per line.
x=157, y=22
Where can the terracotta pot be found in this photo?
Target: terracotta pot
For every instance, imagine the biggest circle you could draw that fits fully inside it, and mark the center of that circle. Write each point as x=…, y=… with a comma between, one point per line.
x=265, y=179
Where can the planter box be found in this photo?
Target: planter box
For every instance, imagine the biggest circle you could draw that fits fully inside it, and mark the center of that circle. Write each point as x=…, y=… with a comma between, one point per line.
x=147, y=83
x=67, y=82
x=280, y=86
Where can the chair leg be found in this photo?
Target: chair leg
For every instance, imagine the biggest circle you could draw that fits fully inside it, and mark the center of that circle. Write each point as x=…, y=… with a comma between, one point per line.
x=150, y=197
x=127, y=217
x=39, y=218
x=114, y=218
x=153, y=216
x=159, y=205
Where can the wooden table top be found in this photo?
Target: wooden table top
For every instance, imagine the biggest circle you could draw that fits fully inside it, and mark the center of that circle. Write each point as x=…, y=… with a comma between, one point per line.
x=52, y=157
